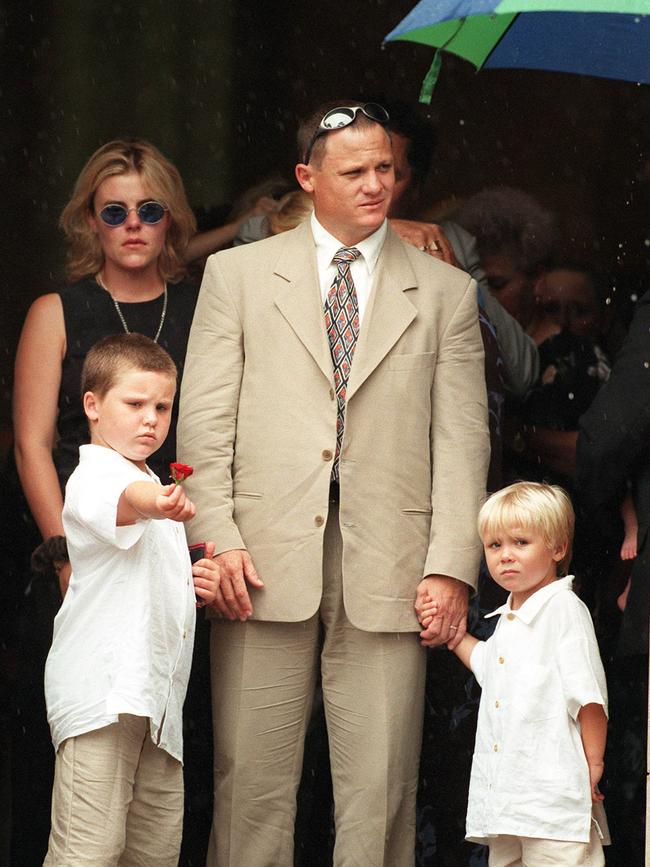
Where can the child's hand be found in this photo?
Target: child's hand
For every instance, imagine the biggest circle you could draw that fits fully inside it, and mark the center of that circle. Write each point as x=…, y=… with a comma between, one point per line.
x=427, y=611
x=595, y=773
x=173, y=503
x=206, y=577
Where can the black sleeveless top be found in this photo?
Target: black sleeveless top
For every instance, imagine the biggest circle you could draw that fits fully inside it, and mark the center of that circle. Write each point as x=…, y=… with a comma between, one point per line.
x=89, y=314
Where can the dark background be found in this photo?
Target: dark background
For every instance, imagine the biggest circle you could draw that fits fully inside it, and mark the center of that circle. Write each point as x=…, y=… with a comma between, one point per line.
x=218, y=85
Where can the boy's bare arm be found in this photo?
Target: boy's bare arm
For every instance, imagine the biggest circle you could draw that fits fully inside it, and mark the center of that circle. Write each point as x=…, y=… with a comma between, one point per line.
x=593, y=730
x=464, y=648
x=148, y=500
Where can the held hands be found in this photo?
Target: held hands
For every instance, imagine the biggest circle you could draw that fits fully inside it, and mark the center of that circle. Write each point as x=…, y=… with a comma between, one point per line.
x=441, y=607
x=173, y=503
x=206, y=577
x=232, y=599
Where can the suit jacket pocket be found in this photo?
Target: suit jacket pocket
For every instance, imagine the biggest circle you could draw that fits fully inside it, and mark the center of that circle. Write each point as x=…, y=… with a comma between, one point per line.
x=417, y=512
x=411, y=361
x=251, y=495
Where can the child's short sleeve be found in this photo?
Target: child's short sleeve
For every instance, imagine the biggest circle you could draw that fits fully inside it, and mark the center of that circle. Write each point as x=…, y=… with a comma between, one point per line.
x=578, y=658
x=91, y=503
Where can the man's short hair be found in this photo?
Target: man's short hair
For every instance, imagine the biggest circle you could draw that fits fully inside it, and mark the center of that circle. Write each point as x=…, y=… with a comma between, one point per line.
x=111, y=356
x=544, y=509
x=308, y=128
x=422, y=137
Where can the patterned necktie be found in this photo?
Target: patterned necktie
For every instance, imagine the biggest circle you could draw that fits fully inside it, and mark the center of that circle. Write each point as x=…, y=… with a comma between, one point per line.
x=342, y=323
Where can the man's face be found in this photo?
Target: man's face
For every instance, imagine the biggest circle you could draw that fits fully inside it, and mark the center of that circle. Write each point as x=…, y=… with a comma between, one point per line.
x=353, y=185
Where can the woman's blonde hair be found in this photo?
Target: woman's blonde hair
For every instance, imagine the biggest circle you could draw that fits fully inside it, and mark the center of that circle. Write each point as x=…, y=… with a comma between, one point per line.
x=164, y=183
x=544, y=509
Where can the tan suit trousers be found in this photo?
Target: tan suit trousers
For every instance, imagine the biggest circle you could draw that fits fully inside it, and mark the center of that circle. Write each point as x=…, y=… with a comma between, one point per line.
x=263, y=679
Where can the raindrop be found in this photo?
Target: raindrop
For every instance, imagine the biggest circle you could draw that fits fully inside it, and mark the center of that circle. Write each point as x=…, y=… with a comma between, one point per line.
x=570, y=395
x=634, y=297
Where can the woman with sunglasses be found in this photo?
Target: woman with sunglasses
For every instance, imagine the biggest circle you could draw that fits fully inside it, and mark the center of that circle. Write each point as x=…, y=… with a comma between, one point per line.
x=128, y=223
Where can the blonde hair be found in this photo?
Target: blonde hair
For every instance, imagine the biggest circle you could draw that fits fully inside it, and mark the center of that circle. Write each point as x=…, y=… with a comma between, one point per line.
x=293, y=208
x=545, y=509
x=85, y=255
x=112, y=355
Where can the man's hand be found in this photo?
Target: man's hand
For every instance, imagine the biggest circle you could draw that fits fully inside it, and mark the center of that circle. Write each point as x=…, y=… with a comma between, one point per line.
x=450, y=600
x=427, y=237
x=231, y=596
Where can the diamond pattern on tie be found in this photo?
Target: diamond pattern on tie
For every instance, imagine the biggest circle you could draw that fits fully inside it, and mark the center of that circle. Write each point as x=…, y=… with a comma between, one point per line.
x=342, y=324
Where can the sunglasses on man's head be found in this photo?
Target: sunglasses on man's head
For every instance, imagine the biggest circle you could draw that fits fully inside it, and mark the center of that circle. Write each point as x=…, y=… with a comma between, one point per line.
x=344, y=115
x=148, y=212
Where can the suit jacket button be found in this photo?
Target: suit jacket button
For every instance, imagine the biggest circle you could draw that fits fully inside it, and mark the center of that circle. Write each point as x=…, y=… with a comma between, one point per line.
x=319, y=520
x=327, y=455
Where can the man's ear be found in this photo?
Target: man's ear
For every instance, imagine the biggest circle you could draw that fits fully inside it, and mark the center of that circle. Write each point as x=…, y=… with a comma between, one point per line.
x=90, y=406
x=304, y=175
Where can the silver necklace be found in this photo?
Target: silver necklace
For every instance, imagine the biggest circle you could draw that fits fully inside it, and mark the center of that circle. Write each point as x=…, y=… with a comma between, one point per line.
x=121, y=315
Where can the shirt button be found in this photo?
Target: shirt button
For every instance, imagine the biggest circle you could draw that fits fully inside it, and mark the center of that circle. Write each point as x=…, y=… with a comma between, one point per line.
x=319, y=520
x=332, y=394
x=511, y=616
x=497, y=703
x=501, y=660
x=327, y=455
x=496, y=748
x=184, y=635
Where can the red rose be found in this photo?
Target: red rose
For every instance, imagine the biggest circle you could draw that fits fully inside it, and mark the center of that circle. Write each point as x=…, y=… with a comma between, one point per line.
x=179, y=472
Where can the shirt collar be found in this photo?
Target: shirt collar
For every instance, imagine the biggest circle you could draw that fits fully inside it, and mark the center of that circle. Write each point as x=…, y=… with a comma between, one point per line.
x=534, y=604
x=327, y=245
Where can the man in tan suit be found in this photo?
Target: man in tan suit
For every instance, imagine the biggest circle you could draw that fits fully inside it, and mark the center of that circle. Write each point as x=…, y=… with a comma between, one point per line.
x=327, y=542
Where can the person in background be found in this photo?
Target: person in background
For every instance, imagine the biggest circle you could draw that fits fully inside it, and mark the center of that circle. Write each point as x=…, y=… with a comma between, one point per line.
x=414, y=142
x=613, y=456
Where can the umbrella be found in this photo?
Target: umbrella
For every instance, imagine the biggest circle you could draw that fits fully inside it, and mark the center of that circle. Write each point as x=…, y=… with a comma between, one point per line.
x=605, y=38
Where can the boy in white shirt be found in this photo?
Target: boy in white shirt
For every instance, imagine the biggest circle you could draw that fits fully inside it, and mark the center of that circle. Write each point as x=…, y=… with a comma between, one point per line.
x=542, y=721
x=117, y=672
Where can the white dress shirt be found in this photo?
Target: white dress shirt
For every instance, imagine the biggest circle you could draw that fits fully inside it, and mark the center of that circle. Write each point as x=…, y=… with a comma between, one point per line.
x=529, y=773
x=362, y=268
x=123, y=637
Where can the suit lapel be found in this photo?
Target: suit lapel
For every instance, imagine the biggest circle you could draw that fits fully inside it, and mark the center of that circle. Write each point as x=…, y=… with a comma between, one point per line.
x=298, y=300
x=389, y=312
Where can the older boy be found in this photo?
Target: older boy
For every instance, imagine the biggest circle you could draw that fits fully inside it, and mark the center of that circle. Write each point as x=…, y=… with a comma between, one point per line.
x=542, y=721
x=117, y=672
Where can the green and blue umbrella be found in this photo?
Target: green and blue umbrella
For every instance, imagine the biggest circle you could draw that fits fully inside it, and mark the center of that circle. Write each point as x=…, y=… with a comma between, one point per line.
x=605, y=38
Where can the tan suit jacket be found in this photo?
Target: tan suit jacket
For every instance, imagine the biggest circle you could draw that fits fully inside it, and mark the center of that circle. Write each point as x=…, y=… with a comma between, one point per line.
x=258, y=423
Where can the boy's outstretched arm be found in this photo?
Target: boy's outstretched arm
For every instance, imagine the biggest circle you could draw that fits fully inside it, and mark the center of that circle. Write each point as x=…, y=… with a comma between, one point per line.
x=149, y=500
x=593, y=731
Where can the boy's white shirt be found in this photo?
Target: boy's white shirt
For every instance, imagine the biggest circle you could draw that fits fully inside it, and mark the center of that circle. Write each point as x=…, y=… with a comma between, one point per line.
x=529, y=773
x=124, y=635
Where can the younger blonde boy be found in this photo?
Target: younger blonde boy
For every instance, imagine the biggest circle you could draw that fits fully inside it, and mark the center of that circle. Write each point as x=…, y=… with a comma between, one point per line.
x=542, y=721
x=117, y=672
